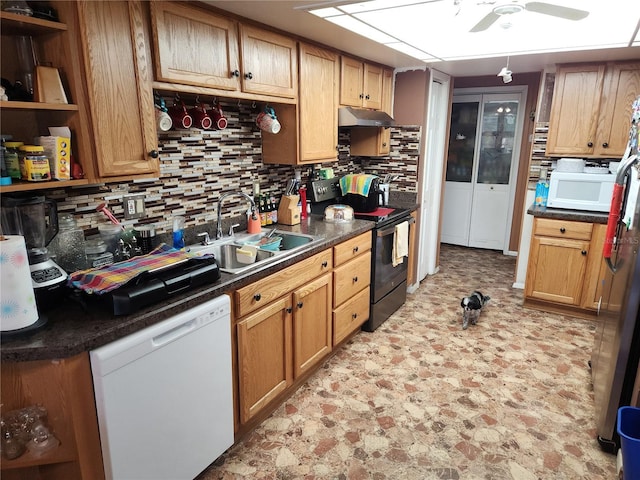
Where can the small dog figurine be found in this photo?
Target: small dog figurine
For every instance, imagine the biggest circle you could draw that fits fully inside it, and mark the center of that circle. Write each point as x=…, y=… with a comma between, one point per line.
x=471, y=306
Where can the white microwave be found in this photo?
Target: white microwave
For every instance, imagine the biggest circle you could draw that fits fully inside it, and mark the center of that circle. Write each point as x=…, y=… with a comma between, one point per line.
x=581, y=191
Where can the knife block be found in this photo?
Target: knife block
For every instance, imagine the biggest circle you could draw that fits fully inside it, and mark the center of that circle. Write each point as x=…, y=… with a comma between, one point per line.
x=288, y=210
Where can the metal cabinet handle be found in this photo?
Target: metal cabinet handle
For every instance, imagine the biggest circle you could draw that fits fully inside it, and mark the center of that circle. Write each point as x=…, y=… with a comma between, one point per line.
x=257, y=297
x=583, y=252
x=362, y=95
x=355, y=279
x=248, y=76
x=590, y=144
x=384, y=144
x=367, y=97
x=289, y=309
x=605, y=145
x=563, y=230
x=354, y=315
x=355, y=249
x=154, y=154
x=300, y=304
x=325, y=264
x=235, y=73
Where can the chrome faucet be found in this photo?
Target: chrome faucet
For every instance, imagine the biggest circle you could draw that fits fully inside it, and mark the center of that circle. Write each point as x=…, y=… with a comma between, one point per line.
x=219, y=222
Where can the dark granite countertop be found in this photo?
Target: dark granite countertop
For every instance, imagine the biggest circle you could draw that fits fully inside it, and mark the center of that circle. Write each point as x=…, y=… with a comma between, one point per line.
x=75, y=326
x=566, y=214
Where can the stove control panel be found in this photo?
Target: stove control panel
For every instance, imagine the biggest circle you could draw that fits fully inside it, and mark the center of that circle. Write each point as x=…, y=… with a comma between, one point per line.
x=323, y=190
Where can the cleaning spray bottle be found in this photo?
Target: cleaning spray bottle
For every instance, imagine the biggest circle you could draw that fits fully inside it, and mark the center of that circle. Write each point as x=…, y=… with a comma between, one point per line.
x=542, y=189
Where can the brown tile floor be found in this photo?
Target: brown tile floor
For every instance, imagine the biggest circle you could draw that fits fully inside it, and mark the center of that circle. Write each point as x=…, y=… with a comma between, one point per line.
x=509, y=398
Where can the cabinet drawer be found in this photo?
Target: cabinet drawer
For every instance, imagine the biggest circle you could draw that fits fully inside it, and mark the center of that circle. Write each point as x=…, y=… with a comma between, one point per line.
x=350, y=278
x=350, y=316
x=351, y=248
x=262, y=292
x=547, y=227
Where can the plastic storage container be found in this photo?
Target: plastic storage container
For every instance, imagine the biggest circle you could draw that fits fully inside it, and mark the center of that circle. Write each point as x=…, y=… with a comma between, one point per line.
x=34, y=164
x=12, y=159
x=629, y=431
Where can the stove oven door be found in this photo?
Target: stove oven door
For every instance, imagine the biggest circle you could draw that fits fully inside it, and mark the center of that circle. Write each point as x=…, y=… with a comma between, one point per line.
x=386, y=277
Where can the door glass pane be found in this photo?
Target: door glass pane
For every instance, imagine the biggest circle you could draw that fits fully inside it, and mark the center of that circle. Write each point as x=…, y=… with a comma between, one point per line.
x=462, y=140
x=496, y=144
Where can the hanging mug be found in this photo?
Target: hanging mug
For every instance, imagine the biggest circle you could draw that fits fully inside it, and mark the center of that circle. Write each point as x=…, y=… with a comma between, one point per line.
x=201, y=118
x=267, y=121
x=220, y=121
x=180, y=117
x=163, y=121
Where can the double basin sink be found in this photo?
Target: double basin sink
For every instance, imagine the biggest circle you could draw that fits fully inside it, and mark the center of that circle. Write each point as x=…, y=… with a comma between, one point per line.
x=226, y=249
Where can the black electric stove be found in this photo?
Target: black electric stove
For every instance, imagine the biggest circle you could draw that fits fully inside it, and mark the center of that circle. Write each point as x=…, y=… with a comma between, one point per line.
x=388, y=278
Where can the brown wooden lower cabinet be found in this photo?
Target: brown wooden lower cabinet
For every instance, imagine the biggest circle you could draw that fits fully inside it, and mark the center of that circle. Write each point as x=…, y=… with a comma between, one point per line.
x=64, y=387
x=565, y=265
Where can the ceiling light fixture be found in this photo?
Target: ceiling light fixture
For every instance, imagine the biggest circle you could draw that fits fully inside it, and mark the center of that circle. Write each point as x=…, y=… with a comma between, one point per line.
x=505, y=73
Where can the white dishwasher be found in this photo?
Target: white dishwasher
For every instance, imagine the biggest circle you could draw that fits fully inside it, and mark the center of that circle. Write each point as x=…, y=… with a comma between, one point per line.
x=164, y=396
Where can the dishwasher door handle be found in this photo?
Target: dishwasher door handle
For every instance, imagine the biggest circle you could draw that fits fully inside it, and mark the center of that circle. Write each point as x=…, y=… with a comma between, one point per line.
x=173, y=334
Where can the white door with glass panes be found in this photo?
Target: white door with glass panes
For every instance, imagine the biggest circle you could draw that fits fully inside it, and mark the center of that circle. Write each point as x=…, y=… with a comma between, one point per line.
x=481, y=169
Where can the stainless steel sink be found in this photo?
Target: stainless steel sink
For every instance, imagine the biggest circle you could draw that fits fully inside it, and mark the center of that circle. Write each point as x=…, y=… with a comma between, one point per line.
x=290, y=240
x=225, y=249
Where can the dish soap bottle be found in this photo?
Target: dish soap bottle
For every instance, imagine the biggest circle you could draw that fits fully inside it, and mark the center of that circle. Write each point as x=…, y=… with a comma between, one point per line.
x=542, y=189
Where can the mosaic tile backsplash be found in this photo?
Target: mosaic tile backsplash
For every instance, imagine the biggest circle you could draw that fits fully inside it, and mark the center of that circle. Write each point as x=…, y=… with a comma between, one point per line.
x=196, y=167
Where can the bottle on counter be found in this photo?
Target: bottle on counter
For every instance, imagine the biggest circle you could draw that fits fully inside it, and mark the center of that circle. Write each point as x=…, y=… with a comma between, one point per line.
x=542, y=190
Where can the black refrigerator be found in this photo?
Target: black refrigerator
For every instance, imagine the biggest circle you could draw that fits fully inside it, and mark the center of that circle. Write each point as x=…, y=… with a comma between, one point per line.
x=614, y=361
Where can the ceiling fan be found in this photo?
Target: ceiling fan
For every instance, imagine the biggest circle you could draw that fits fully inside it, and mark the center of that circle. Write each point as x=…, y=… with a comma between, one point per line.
x=512, y=7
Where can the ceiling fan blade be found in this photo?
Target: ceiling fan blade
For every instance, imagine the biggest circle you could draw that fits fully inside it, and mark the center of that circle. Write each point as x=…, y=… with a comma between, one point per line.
x=485, y=23
x=556, y=10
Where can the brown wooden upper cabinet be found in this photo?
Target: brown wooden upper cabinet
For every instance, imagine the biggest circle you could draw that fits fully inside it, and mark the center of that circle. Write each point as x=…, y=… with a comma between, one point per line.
x=360, y=84
x=591, y=109
x=121, y=118
x=197, y=47
x=309, y=130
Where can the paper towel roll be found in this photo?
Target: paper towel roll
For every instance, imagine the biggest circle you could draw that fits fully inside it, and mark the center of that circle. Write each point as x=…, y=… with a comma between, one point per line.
x=17, y=299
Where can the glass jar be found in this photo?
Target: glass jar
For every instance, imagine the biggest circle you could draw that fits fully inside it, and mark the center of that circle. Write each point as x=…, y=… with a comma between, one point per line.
x=68, y=245
x=97, y=254
x=12, y=159
x=34, y=164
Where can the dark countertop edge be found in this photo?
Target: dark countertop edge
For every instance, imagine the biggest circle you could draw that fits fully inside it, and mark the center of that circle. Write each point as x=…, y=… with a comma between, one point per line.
x=566, y=214
x=72, y=329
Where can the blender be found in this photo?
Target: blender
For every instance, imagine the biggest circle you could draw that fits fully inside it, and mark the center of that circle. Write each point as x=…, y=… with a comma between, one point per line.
x=36, y=219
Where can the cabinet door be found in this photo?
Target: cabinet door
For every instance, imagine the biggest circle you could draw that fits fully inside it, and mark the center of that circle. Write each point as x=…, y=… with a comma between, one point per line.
x=387, y=106
x=621, y=87
x=264, y=356
x=372, y=87
x=311, y=324
x=575, y=110
x=119, y=87
x=194, y=47
x=351, y=82
x=318, y=104
x=556, y=269
x=269, y=62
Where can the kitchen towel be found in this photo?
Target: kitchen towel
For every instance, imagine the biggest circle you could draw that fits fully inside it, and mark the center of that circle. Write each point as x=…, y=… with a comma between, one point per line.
x=17, y=300
x=356, y=183
x=104, y=279
x=400, y=243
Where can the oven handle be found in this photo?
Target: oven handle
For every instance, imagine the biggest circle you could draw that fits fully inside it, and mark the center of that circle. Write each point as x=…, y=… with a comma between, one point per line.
x=390, y=230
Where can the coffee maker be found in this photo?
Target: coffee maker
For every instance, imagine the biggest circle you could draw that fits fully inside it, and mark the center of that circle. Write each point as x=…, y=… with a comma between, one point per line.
x=36, y=219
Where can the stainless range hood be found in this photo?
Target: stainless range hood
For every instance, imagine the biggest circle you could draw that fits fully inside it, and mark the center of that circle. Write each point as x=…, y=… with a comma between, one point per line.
x=357, y=117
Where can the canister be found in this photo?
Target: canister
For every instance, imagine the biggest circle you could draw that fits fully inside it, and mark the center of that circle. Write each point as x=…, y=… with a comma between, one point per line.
x=97, y=254
x=146, y=235
x=69, y=244
x=34, y=164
